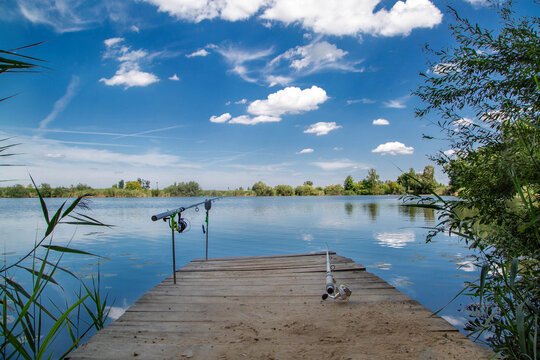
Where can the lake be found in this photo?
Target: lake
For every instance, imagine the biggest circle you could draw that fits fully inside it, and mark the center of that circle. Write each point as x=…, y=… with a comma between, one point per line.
x=375, y=231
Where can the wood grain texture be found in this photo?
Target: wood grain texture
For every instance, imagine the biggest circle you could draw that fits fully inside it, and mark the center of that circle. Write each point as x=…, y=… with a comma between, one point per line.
x=270, y=307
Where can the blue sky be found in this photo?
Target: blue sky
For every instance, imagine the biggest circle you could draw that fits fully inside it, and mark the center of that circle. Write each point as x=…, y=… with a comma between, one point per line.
x=225, y=93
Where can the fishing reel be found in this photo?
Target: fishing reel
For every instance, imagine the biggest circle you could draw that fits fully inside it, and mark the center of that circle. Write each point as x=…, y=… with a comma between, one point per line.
x=342, y=293
x=180, y=225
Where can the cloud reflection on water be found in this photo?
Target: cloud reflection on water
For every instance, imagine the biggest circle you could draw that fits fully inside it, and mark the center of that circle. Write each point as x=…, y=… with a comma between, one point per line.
x=395, y=240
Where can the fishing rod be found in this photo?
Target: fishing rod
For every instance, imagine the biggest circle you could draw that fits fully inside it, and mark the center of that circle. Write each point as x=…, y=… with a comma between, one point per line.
x=342, y=292
x=182, y=224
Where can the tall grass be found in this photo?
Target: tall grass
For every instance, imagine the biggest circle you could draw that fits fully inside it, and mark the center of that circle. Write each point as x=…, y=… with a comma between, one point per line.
x=31, y=324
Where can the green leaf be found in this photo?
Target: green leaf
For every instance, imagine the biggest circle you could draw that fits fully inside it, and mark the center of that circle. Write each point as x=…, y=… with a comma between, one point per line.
x=64, y=249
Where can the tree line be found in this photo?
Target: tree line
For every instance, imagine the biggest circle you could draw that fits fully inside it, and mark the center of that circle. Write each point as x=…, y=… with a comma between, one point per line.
x=370, y=185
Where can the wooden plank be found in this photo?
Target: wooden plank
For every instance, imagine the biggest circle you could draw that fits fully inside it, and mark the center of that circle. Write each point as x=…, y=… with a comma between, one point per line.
x=266, y=307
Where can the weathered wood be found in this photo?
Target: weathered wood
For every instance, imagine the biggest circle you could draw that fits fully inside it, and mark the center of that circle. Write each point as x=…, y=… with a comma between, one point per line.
x=270, y=307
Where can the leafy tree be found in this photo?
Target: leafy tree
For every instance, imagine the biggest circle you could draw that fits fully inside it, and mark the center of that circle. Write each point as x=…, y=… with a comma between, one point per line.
x=17, y=191
x=284, y=190
x=46, y=190
x=121, y=184
x=494, y=164
x=306, y=190
x=309, y=183
x=333, y=189
x=133, y=185
x=261, y=189
x=145, y=184
x=348, y=184
x=371, y=184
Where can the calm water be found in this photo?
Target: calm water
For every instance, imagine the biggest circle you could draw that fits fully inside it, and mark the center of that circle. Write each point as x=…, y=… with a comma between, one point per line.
x=372, y=230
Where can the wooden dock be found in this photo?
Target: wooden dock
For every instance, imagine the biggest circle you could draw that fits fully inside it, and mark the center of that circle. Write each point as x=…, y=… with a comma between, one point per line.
x=270, y=307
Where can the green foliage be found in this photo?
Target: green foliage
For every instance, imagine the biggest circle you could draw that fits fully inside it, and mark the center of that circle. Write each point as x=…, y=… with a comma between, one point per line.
x=133, y=185
x=25, y=311
x=495, y=170
x=333, y=190
x=261, y=189
x=12, y=61
x=184, y=189
x=305, y=190
x=348, y=184
x=284, y=190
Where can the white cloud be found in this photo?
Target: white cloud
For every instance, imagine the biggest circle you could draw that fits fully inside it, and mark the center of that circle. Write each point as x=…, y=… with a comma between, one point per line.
x=337, y=148
x=449, y=152
x=314, y=57
x=380, y=122
x=174, y=78
x=338, y=165
x=242, y=101
x=61, y=103
x=395, y=240
x=363, y=101
x=464, y=122
x=238, y=58
x=220, y=119
x=130, y=77
x=274, y=80
x=129, y=73
x=396, y=103
x=322, y=128
x=338, y=17
x=196, y=11
x=305, y=151
x=290, y=100
x=478, y=3
x=113, y=41
x=134, y=28
x=393, y=148
x=247, y=120
x=201, y=52
x=64, y=15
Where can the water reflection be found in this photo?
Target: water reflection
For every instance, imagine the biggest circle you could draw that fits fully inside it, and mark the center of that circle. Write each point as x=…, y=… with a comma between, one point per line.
x=395, y=240
x=373, y=210
x=414, y=212
x=349, y=208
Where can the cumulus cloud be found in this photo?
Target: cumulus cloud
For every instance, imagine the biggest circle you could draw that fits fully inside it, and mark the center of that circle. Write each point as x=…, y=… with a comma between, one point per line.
x=380, y=122
x=174, y=78
x=393, y=148
x=196, y=11
x=134, y=28
x=291, y=100
x=337, y=148
x=221, y=118
x=201, y=52
x=61, y=103
x=129, y=73
x=322, y=128
x=335, y=17
x=327, y=17
x=305, y=151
